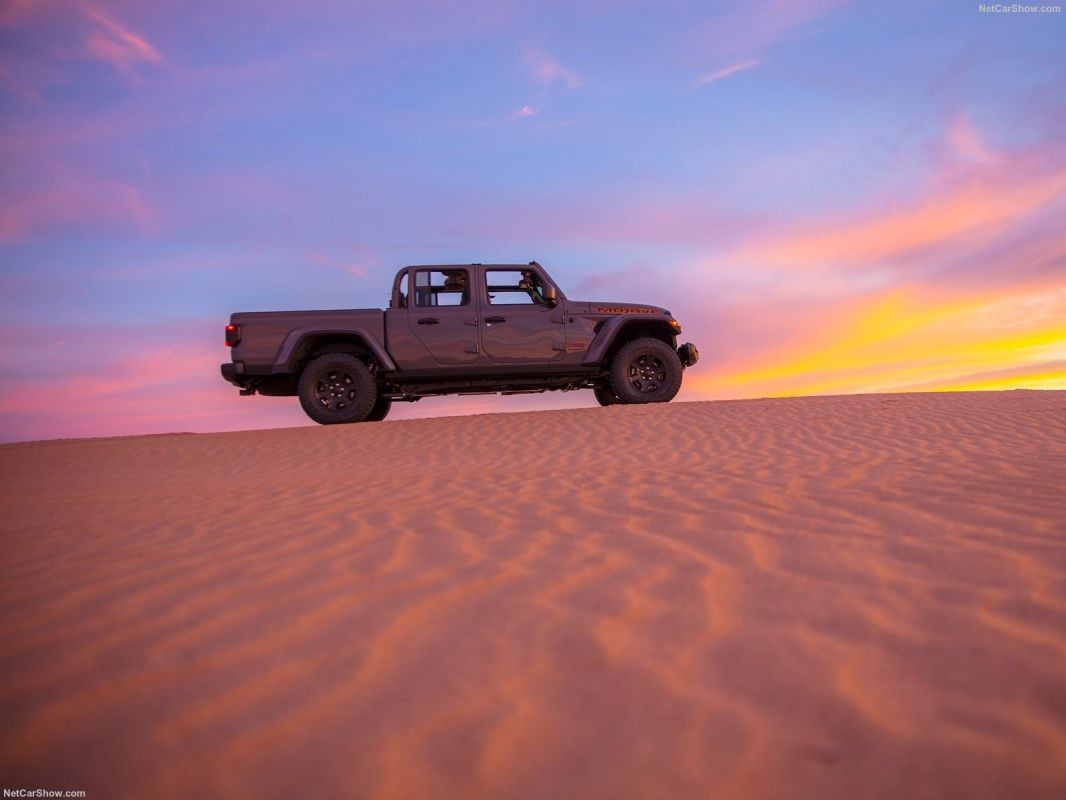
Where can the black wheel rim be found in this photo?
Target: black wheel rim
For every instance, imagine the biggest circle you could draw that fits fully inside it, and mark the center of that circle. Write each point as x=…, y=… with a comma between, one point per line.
x=335, y=389
x=647, y=374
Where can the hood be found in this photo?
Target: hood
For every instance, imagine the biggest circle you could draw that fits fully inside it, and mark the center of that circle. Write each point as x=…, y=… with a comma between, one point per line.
x=610, y=308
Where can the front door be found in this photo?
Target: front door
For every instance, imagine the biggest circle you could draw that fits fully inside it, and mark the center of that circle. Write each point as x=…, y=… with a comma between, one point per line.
x=442, y=315
x=517, y=324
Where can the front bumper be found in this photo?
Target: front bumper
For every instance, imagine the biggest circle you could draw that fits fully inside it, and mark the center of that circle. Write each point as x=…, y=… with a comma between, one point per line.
x=688, y=354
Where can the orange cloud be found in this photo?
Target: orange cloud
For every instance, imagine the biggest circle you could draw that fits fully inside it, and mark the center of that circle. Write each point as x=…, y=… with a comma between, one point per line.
x=913, y=337
x=1046, y=375
x=981, y=206
x=972, y=290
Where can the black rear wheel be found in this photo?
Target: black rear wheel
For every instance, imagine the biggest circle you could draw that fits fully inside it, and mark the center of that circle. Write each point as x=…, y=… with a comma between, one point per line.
x=337, y=388
x=645, y=370
x=380, y=410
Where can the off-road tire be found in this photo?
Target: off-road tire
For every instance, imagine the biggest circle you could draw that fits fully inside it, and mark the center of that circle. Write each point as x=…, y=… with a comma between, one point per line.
x=337, y=388
x=605, y=396
x=645, y=370
x=380, y=410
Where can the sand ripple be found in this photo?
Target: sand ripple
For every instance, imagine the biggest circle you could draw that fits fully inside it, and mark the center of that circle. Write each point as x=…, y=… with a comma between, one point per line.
x=838, y=596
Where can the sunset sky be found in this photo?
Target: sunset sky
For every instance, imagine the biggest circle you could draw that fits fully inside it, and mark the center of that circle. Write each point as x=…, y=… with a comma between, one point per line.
x=832, y=197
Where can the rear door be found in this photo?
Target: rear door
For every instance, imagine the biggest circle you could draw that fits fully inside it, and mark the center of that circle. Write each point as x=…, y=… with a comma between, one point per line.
x=442, y=314
x=517, y=325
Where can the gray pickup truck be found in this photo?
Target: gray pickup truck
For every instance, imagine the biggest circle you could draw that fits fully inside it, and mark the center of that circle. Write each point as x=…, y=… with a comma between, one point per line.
x=458, y=329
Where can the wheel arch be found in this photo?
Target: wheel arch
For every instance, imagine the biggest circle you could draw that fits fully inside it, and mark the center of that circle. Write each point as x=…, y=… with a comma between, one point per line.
x=301, y=345
x=618, y=331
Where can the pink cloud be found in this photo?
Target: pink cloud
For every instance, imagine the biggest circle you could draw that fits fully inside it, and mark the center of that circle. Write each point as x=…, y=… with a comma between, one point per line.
x=548, y=71
x=73, y=200
x=126, y=380
x=747, y=28
x=964, y=139
x=116, y=45
x=725, y=72
x=13, y=11
x=16, y=87
x=986, y=211
x=54, y=131
x=358, y=268
x=525, y=112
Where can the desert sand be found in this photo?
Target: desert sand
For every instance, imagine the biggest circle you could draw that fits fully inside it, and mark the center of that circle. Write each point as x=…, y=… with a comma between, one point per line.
x=855, y=597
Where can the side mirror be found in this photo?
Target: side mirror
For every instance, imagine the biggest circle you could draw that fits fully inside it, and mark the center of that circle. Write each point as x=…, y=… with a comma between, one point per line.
x=550, y=297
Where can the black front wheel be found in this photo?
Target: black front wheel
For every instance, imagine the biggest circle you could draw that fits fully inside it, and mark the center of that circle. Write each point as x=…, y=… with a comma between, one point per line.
x=336, y=388
x=645, y=370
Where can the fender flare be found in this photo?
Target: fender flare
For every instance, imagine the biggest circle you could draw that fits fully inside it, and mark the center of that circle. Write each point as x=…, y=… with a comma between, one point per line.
x=294, y=338
x=609, y=332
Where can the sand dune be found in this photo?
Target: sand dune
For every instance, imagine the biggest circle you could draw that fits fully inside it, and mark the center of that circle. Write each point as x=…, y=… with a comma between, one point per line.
x=859, y=597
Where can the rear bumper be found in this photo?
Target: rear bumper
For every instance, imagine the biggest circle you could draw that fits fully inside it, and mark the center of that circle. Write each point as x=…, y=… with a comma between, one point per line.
x=234, y=373
x=688, y=354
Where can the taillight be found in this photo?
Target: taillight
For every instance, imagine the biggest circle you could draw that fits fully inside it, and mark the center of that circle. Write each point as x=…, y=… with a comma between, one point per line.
x=233, y=335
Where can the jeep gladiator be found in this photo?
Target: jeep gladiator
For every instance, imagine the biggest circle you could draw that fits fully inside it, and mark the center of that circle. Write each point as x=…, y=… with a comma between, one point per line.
x=457, y=329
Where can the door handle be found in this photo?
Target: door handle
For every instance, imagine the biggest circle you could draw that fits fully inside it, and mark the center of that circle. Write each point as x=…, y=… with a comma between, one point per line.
x=429, y=321
x=490, y=320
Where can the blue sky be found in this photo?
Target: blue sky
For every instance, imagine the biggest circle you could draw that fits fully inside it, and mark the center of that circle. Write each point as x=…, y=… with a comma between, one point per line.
x=832, y=196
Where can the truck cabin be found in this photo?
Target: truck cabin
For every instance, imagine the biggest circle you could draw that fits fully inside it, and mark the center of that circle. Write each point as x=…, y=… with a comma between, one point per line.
x=450, y=286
